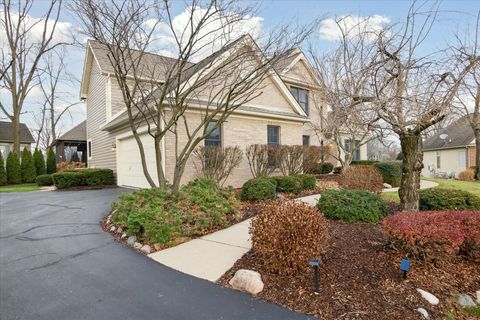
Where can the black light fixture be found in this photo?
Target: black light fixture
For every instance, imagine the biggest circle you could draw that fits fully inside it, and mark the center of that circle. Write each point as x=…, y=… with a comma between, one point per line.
x=405, y=267
x=315, y=263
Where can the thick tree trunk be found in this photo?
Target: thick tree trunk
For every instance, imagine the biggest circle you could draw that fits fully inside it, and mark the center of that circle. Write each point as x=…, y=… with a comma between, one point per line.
x=16, y=131
x=412, y=168
x=477, y=154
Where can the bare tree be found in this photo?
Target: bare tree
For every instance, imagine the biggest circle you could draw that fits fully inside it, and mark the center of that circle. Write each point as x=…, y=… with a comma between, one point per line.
x=214, y=87
x=467, y=102
x=21, y=55
x=345, y=73
x=412, y=92
x=56, y=103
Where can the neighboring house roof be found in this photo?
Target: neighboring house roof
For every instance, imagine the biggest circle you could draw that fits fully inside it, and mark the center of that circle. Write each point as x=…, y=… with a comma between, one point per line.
x=77, y=133
x=459, y=134
x=6, y=133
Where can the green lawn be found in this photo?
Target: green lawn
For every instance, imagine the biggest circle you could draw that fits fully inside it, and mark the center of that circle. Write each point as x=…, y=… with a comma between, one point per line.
x=25, y=187
x=471, y=186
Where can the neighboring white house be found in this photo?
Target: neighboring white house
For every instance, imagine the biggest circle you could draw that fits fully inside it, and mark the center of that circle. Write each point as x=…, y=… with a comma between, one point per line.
x=289, y=101
x=6, y=138
x=449, y=151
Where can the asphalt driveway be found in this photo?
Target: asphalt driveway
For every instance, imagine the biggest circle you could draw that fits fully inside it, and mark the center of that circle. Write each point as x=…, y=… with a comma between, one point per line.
x=57, y=263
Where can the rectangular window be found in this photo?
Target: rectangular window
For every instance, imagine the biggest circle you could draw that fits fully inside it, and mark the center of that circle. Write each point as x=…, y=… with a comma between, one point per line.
x=273, y=141
x=306, y=140
x=301, y=95
x=214, y=139
x=438, y=160
x=349, y=147
x=462, y=158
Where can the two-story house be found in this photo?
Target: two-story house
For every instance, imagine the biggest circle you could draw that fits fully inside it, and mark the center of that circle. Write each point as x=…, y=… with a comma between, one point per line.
x=290, y=101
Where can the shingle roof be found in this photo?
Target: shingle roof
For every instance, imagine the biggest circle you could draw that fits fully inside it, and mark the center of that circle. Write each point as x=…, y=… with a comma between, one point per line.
x=6, y=133
x=77, y=133
x=283, y=60
x=459, y=134
x=151, y=64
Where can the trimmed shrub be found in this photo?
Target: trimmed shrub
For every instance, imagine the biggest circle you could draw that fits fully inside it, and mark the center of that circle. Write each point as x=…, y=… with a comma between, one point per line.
x=261, y=188
x=467, y=175
x=308, y=181
x=363, y=162
x=155, y=216
x=51, y=162
x=337, y=170
x=322, y=168
x=352, y=206
x=39, y=162
x=436, y=235
x=83, y=177
x=14, y=175
x=27, y=167
x=287, y=235
x=3, y=173
x=391, y=172
x=362, y=178
x=288, y=184
x=44, y=180
x=446, y=199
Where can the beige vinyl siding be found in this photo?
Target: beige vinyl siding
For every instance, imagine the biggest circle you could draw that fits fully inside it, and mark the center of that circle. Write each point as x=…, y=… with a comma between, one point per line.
x=102, y=155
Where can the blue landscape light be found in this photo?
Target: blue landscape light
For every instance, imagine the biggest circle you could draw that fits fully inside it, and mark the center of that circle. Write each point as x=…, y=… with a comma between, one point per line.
x=405, y=267
x=315, y=263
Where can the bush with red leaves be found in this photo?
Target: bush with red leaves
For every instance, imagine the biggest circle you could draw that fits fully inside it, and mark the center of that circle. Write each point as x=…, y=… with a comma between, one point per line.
x=435, y=236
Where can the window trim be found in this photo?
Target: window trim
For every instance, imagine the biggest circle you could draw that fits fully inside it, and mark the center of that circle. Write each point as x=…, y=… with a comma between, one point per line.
x=220, y=133
x=89, y=149
x=296, y=95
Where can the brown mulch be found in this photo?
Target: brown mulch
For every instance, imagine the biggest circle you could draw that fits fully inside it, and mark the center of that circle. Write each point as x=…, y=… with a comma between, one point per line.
x=360, y=279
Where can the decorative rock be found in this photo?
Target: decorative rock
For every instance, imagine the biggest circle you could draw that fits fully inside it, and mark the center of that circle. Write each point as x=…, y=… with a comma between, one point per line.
x=112, y=228
x=146, y=249
x=157, y=246
x=387, y=186
x=247, y=280
x=137, y=245
x=478, y=296
x=119, y=230
x=464, y=300
x=280, y=196
x=124, y=235
x=423, y=312
x=131, y=240
x=429, y=297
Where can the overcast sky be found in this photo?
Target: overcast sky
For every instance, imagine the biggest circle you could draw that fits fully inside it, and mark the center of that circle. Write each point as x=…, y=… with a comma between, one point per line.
x=454, y=16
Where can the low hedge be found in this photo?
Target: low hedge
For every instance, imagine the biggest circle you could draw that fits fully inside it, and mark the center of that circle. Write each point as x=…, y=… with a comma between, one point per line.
x=44, y=180
x=83, y=177
x=352, y=206
x=363, y=162
x=362, y=177
x=288, y=184
x=308, y=181
x=391, y=172
x=436, y=235
x=322, y=168
x=261, y=188
x=337, y=170
x=446, y=199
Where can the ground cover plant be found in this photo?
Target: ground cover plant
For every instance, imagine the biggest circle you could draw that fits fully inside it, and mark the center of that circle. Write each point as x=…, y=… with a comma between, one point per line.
x=352, y=206
x=287, y=235
x=158, y=217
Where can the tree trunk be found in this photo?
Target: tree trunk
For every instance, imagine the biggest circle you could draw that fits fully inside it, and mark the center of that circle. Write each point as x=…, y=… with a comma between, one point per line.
x=16, y=131
x=412, y=168
x=158, y=161
x=477, y=153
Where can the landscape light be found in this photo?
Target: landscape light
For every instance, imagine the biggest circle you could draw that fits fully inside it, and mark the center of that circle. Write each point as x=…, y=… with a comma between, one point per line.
x=405, y=267
x=315, y=263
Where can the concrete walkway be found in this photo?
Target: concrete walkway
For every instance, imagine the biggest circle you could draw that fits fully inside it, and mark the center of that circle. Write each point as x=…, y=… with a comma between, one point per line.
x=424, y=184
x=210, y=256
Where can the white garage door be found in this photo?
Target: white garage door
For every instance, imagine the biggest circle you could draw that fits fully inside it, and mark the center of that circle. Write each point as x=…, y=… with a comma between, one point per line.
x=129, y=165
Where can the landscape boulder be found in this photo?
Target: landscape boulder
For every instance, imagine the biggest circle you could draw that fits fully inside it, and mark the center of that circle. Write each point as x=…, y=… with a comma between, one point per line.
x=247, y=280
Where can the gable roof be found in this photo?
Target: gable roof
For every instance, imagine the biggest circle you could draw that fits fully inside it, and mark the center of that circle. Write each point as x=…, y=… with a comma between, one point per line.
x=77, y=133
x=459, y=134
x=6, y=133
x=282, y=61
x=288, y=60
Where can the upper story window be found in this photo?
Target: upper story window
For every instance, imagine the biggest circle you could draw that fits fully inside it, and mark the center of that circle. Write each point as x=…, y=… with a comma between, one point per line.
x=301, y=95
x=214, y=139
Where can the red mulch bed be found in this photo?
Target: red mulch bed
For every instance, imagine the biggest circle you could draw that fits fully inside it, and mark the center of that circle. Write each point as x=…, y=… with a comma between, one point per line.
x=360, y=279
